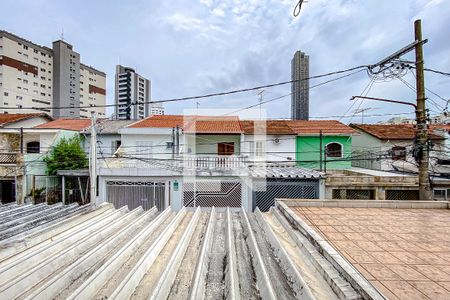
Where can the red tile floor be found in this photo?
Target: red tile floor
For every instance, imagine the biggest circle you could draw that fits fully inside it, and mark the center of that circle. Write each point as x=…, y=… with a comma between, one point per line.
x=405, y=253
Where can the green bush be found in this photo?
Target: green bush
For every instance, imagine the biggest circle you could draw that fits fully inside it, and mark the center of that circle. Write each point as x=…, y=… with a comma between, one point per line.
x=66, y=155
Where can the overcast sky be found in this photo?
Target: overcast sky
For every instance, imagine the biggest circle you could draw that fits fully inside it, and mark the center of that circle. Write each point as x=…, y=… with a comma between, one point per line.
x=194, y=47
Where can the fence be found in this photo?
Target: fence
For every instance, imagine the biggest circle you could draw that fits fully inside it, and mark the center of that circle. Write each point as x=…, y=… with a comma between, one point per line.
x=265, y=192
x=46, y=189
x=136, y=193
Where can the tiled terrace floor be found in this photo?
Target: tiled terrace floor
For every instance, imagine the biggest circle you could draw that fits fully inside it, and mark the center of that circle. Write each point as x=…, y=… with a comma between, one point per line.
x=405, y=253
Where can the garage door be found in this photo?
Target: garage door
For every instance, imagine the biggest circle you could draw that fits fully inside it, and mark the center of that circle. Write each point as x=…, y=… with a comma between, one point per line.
x=265, y=192
x=136, y=193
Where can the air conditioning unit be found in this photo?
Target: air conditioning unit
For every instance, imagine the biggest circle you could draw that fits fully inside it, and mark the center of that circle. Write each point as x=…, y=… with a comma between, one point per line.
x=276, y=140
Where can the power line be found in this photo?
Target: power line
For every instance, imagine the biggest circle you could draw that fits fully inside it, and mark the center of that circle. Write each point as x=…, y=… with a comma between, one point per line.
x=286, y=95
x=437, y=71
x=203, y=96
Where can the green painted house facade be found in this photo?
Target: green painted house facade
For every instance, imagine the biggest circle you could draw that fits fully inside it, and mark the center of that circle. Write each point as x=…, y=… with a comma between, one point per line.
x=308, y=151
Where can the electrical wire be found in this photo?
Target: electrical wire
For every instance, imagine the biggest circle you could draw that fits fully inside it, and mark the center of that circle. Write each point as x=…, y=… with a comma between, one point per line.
x=208, y=95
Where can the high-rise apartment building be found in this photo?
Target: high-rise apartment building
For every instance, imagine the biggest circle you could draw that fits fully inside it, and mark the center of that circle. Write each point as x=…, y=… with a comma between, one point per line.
x=40, y=77
x=300, y=86
x=133, y=96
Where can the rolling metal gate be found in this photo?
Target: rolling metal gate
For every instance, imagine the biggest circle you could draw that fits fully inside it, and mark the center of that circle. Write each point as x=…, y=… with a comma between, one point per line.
x=136, y=193
x=265, y=192
x=212, y=193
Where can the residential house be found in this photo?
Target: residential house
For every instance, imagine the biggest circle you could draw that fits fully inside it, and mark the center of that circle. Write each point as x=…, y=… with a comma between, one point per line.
x=14, y=143
x=200, y=161
x=391, y=147
x=322, y=145
x=108, y=137
x=269, y=141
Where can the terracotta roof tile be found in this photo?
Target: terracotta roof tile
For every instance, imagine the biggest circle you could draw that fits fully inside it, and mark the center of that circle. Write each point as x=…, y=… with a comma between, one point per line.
x=315, y=126
x=160, y=121
x=392, y=132
x=198, y=124
x=269, y=127
x=67, y=124
x=212, y=124
x=12, y=118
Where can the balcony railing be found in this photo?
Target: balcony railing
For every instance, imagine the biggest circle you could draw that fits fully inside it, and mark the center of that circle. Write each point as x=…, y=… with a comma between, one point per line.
x=189, y=162
x=8, y=158
x=213, y=162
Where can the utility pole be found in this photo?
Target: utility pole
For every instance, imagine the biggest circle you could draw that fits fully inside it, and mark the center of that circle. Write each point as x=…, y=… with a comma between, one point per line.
x=321, y=149
x=173, y=142
x=421, y=119
x=21, y=140
x=93, y=159
x=177, y=140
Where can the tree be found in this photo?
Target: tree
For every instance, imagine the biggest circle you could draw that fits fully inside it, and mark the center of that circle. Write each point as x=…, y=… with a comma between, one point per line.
x=66, y=155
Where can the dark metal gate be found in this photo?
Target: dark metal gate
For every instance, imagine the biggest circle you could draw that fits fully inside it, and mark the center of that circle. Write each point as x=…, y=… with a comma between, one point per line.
x=209, y=193
x=136, y=193
x=265, y=192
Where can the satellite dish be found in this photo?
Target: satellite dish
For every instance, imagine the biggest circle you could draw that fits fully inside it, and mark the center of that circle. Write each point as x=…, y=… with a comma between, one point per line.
x=276, y=141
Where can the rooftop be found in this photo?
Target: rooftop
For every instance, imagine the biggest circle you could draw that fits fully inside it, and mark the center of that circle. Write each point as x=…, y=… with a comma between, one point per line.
x=159, y=121
x=191, y=124
x=107, y=126
x=6, y=119
x=275, y=127
x=67, y=124
x=212, y=124
x=303, y=127
x=103, y=252
x=392, y=132
x=403, y=252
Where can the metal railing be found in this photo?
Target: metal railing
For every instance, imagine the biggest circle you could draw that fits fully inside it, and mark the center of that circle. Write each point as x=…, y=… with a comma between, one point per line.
x=191, y=162
x=213, y=162
x=8, y=158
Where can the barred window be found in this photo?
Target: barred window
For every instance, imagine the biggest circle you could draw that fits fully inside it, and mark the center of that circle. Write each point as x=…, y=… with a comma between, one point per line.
x=334, y=150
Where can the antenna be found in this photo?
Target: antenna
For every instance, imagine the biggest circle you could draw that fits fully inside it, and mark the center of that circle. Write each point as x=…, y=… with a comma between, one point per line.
x=260, y=94
x=62, y=34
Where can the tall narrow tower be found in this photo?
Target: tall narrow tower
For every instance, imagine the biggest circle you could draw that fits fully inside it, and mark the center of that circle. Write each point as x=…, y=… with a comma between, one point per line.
x=300, y=88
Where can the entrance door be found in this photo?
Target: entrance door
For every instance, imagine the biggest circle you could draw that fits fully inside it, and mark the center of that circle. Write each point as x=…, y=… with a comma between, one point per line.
x=226, y=148
x=7, y=191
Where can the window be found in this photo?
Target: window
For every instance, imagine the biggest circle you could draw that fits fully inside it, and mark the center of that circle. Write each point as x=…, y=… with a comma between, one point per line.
x=116, y=145
x=33, y=147
x=334, y=150
x=440, y=194
x=398, y=153
x=5, y=93
x=226, y=148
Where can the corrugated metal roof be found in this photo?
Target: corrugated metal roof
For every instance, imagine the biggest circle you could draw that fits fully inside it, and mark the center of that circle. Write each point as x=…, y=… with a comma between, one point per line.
x=284, y=172
x=120, y=254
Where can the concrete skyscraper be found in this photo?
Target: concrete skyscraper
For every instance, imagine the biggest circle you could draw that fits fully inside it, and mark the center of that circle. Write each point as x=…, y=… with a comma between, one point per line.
x=300, y=88
x=35, y=78
x=132, y=88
